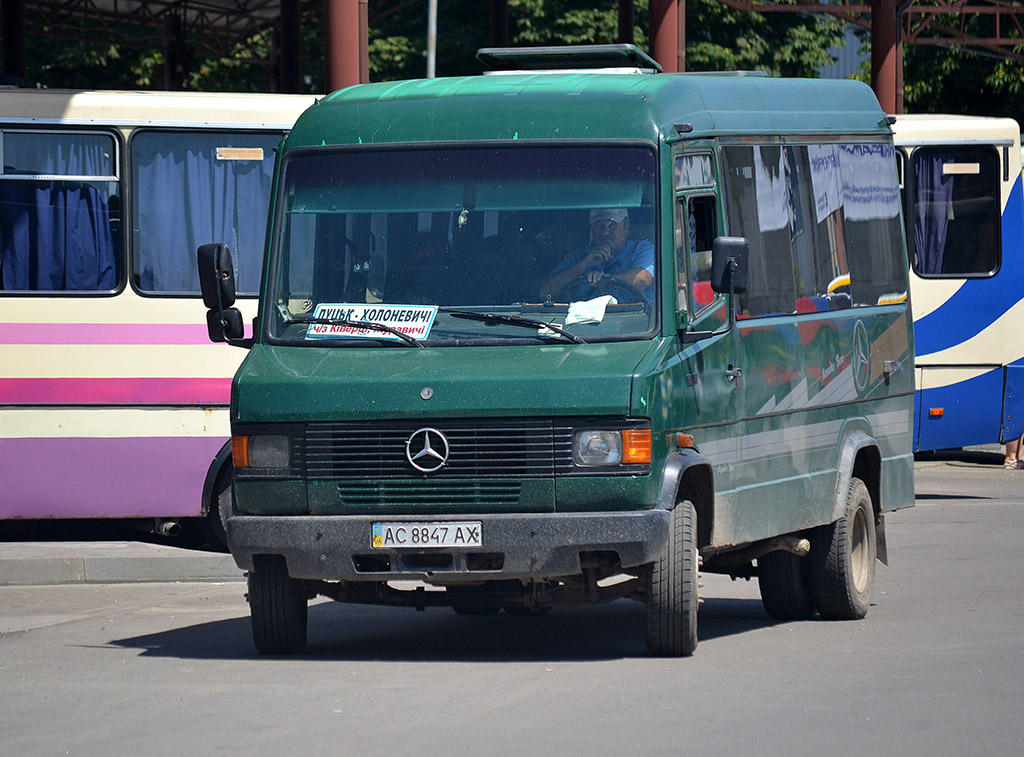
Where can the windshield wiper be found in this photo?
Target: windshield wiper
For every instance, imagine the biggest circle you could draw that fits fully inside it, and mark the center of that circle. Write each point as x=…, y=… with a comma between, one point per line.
x=515, y=320
x=357, y=325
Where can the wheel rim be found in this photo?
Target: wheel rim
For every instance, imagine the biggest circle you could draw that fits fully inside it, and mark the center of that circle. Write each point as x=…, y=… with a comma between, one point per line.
x=859, y=551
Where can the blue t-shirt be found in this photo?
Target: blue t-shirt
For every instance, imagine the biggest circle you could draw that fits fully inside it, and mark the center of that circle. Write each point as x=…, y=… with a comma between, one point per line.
x=635, y=254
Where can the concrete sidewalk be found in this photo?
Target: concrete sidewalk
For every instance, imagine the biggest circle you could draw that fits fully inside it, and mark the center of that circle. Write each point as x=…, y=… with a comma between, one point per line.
x=66, y=562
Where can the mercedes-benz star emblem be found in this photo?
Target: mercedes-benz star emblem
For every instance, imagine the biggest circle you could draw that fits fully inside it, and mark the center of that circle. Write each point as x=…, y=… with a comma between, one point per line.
x=427, y=450
x=861, y=356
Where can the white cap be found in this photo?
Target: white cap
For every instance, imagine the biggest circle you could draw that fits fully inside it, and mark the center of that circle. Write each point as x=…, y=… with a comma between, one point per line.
x=612, y=214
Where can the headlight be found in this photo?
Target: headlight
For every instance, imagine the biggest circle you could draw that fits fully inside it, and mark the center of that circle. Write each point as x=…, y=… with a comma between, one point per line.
x=598, y=447
x=260, y=451
x=612, y=447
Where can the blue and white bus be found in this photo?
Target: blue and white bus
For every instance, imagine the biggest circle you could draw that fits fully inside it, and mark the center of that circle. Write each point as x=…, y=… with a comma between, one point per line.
x=964, y=210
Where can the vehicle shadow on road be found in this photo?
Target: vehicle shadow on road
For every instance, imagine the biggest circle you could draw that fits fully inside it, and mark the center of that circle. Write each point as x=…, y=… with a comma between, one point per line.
x=360, y=633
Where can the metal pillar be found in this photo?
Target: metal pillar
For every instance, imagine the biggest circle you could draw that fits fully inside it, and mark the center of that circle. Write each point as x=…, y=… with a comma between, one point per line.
x=289, y=64
x=175, y=54
x=345, y=43
x=627, y=20
x=499, y=23
x=15, y=58
x=431, y=38
x=887, y=53
x=681, y=42
x=665, y=34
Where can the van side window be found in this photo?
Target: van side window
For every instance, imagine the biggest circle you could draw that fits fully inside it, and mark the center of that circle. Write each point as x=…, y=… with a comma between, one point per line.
x=59, y=212
x=759, y=208
x=954, y=211
x=873, y=231
x=694, y=250
x=823, y=271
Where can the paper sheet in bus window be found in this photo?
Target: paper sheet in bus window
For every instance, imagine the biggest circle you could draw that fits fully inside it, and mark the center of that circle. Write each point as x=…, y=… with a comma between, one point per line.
x=961, y=169
x=239, y=153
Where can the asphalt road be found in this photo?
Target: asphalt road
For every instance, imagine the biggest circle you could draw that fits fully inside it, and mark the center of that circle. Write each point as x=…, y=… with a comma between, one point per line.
x=937, y=667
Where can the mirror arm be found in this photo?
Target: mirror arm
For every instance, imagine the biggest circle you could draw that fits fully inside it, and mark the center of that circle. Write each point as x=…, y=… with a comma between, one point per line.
x=695, y=336
x=245, y=342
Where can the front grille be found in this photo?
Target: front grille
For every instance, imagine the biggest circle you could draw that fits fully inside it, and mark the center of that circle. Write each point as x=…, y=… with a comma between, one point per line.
x=414, y=495
x=536, y=448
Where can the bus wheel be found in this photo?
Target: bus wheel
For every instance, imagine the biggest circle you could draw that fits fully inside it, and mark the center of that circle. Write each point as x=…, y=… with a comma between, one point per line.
x=784, y=581
x=842, y=559
x=278, y=607
x=672, y=589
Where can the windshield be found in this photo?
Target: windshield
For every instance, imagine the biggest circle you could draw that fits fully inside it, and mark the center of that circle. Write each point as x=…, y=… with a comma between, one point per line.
x=465, y=246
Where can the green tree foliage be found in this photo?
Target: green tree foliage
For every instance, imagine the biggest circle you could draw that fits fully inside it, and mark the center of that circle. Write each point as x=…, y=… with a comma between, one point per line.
x=957, y=80
x=717, y=38
x=720, y=38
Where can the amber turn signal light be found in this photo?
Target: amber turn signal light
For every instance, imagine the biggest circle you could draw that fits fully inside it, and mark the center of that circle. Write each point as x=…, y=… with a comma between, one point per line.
x=636, y=446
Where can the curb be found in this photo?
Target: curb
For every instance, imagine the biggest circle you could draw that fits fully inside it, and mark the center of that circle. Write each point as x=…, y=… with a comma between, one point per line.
x=41, y=563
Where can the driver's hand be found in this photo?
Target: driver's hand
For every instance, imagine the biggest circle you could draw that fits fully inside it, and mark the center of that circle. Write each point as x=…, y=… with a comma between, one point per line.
x=595, y=276
x=597, y=255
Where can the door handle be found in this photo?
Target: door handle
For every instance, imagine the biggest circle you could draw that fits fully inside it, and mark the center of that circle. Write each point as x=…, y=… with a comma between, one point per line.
x=733, y=373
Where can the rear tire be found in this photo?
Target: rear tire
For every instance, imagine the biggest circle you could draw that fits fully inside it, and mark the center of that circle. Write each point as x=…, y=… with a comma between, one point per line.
x=842, y=559
x=672, y=589
x=278, y=607
x=785, y=584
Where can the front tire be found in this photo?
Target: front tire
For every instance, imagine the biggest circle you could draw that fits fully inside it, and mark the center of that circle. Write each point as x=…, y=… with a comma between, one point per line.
x=278, y=607
x=672, y=589
x=842, y=559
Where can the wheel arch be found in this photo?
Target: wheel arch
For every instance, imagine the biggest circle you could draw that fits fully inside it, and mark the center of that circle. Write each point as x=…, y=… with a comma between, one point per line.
x=859, y=457
x=222, y=459
x=687, y=475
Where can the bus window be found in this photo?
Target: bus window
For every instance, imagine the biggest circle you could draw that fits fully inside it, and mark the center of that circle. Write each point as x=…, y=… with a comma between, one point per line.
x=59, y=212
x=955, y=211
x=189, y=188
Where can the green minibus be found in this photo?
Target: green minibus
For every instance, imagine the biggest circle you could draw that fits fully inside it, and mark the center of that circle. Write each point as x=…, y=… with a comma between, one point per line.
x=573, y=331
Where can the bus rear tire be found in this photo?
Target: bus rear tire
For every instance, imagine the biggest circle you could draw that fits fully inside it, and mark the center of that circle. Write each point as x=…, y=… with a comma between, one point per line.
x=672, y=598
x=784, y=581
x=842, y=559
x=278, y=607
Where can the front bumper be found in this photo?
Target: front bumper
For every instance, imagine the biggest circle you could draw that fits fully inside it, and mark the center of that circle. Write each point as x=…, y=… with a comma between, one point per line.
x=515, y=546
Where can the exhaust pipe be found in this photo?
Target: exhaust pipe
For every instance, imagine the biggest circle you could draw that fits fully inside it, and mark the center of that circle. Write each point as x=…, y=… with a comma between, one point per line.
x=168, y=527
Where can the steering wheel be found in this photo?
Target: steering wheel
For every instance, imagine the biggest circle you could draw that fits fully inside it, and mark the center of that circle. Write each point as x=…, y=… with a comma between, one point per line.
x=604, y=286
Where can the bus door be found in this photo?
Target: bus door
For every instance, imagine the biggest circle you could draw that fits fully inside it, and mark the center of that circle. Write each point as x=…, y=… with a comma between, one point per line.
x=964, y=228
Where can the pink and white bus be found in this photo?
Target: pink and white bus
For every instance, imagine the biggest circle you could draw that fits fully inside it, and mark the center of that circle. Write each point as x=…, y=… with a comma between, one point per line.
x=113, y=401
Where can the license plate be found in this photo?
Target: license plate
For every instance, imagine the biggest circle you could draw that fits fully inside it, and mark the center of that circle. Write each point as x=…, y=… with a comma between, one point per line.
x=412, y=535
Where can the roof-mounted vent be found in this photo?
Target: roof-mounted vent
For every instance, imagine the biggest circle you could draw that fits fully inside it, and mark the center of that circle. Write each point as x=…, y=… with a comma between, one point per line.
x=568, y=58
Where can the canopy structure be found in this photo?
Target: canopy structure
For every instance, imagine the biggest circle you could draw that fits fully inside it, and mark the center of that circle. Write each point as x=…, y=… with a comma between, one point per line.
x=212, y=27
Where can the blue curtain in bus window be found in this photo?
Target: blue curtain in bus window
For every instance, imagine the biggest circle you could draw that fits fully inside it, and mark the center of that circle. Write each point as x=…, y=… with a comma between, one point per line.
x=57, y=235
x=932, y=203
x=190, y=189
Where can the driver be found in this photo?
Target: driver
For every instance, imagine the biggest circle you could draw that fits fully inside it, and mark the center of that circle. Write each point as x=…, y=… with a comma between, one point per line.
x=610, y=254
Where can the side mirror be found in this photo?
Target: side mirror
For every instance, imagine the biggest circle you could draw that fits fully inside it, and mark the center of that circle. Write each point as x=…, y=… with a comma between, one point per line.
x=225, y=325
x=729, y=265
x=216, y=275
x=217, y=282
